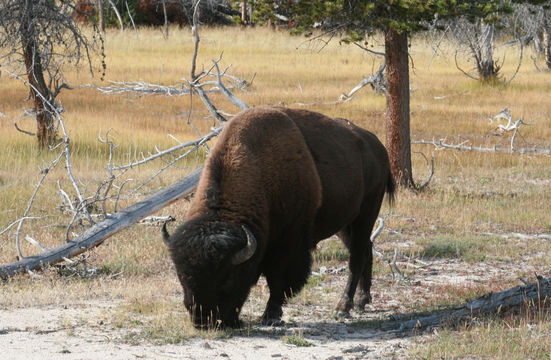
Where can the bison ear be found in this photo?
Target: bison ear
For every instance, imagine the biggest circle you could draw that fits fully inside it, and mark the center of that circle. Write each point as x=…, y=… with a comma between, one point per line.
x=166, y=235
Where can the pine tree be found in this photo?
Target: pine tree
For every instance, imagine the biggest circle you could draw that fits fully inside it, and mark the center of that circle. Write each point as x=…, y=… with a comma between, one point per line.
x=395, y=19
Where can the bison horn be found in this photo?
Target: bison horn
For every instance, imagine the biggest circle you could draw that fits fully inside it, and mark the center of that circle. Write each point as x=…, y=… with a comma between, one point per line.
x=248, y=251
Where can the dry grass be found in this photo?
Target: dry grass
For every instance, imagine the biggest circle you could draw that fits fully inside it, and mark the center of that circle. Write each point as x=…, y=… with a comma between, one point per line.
x=471, y=192
x=524, y=336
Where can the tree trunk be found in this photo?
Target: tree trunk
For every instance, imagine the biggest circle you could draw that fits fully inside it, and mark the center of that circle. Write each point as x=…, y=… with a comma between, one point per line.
x=397, y=107
x=166, y=19
x=33, y=66
x=546, y=40
x=244, y=13
x=487, y=69
x=100, y=15
x=492, y=304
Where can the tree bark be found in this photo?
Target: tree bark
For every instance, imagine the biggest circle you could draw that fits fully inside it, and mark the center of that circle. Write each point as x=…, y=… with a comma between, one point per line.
x=100, y=16
x=166, y=19
x=398, y=141
x=487, y=69
x=33, y=66
x=244, y=13
x=537, y=293
x=546, y=40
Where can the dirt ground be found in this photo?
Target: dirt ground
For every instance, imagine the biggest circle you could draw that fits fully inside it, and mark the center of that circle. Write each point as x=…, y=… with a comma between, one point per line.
x=79, y=331
x=40, y=333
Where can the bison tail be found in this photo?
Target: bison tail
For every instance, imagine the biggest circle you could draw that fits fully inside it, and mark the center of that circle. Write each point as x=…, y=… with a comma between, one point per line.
x=390, y=189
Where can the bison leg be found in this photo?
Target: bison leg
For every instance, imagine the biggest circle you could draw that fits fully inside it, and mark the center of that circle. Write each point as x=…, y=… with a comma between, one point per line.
x=365, y=280
x=356, y=237
x=272, y=314
x=285, y=281
x=356, y=263
x=367, y=274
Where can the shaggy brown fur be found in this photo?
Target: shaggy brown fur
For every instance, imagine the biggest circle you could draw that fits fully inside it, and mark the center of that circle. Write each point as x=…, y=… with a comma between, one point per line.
x=293, y=177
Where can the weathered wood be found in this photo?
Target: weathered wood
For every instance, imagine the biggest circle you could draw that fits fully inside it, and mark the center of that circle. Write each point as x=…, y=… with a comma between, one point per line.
x=489, y=304
x=98, y=233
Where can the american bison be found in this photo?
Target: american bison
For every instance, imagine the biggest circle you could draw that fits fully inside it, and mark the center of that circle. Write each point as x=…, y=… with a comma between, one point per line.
x=277, y=182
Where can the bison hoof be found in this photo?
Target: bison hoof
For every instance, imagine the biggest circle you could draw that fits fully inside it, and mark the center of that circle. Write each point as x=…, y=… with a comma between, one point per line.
x=272, y=317
x=364, y=300
x=344, y=306
x=342, y=315
x=273, y=322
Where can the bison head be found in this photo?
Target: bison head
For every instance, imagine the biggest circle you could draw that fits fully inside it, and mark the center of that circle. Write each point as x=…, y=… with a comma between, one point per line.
x=213, y=263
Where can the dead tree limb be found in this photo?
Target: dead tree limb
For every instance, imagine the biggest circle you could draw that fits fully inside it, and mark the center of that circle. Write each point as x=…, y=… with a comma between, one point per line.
x=194, y=144
x=377, y=82
x=117, y=13
x=430, y=169
x=240, y=104
x=519, y=62
x=443, y=144
x=391, y=262
x=120, y=87
x=78, y=209
x=23, y=131
x=487, y=305
x=518, y=236
x=98, y=233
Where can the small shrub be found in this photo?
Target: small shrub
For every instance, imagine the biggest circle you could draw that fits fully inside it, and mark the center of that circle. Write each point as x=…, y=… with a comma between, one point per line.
x=297, y=340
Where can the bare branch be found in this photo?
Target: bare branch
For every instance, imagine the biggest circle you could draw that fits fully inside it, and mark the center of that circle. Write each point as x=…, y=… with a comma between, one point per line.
x=376, y=81
x=442, y=144
x=378, y=53
x=65, y=198
x=23, y=131
x=430, y=169
x=436, y=47
x=391, y=262
x=120, y=87
x=378, y=230
x=195, y=34
x=232, y=98
x=519, y=63
x=194, y=143
x=31, y=201
x=460, y=69
x=117, y=13
x=131, y=18
x=38, y=245
x=98, y=233
x=156, y=220
x=16, y=222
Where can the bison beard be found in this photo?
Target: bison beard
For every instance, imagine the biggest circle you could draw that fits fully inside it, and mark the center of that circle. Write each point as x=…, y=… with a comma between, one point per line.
x=277, y=182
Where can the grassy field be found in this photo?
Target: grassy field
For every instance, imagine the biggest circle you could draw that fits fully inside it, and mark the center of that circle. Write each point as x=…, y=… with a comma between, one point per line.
x=466, y=217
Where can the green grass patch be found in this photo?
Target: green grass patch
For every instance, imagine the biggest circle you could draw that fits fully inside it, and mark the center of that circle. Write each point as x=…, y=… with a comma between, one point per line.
x=297, y=339
x=125, y=264
x=471, y=249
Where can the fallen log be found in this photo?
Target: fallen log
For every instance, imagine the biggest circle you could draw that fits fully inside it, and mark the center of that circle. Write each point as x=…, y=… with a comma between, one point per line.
x=98, y=233
x=486, y=305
